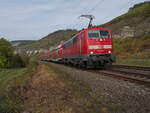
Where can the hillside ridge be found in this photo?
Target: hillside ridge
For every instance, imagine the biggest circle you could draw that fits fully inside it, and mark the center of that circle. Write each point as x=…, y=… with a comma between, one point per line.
x=20, y=43
x=131, y=24
x=51, y=39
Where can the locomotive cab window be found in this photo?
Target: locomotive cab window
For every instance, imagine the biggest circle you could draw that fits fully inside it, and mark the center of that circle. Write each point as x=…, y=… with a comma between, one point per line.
x=93, y=34
x=98, y=34
x=104, y=34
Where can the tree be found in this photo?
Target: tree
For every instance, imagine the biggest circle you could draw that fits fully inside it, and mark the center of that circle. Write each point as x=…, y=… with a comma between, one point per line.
x=7, y=57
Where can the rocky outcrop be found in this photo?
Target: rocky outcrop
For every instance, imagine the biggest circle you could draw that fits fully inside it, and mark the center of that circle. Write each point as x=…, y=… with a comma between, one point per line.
x=132, y=27
x=127, y=31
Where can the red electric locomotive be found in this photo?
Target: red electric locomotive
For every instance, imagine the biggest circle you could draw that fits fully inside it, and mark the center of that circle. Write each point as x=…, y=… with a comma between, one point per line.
x=91, y=47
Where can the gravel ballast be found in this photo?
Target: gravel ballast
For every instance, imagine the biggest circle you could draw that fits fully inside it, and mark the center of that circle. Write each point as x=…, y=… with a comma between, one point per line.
x=116, y=95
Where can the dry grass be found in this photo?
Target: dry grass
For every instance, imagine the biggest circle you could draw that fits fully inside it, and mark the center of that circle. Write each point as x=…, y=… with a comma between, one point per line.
x=51, y=91
x=132, y=48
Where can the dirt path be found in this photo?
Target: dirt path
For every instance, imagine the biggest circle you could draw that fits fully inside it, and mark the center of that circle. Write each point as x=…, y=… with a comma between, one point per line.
x=47, y=93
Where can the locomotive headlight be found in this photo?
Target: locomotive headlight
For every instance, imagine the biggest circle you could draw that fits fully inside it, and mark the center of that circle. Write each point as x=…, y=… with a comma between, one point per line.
x=109, y=51
x=91, y=52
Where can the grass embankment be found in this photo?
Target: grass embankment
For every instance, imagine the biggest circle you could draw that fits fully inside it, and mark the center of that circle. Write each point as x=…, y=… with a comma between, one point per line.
x=44, y=89
x=133, y=62
x=52, y=91
x=7, y=76
x=133, y=51
x=9, y=80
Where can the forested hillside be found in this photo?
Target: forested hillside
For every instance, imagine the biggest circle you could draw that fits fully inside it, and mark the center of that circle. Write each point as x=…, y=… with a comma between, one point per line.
x=20, y=43
x=52, y=39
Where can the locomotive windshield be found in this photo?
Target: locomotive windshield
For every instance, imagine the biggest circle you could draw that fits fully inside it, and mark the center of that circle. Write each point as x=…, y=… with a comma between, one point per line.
x=98, y=34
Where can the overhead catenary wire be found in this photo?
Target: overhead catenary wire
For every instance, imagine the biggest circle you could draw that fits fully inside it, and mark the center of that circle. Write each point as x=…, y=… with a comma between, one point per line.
x=88, y=10
x=100, y=3
x=79, y=23
x=94, y=7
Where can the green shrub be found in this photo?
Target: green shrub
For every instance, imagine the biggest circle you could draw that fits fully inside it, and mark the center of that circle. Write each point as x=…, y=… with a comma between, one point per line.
x=7, y=57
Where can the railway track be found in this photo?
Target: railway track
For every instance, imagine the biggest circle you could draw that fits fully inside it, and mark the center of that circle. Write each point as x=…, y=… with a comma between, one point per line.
x=133, y=74
x=142, y=72
x=124, y=77
x=132, y=67
x=138, y=75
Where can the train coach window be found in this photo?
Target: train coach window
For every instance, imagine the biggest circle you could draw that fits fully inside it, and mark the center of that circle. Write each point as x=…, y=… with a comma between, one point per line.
x=66, y=45
x=70, y=43
x=58, y=51
x=75, y=40
x=104, y=34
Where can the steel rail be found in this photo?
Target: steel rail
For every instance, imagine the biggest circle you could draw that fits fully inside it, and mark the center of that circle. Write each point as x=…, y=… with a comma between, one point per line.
x=115, y=75
x=146, y=75
x=132, y=67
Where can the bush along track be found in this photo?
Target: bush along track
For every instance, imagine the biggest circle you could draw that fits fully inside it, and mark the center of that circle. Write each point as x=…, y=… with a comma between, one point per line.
x=49, y=91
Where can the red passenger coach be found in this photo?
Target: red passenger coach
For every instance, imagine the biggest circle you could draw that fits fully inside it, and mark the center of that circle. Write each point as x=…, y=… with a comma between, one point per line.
x=54, y=55
x=57, y=56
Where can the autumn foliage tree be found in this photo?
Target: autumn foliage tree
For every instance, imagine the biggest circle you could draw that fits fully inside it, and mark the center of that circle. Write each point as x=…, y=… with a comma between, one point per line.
x=7, y=57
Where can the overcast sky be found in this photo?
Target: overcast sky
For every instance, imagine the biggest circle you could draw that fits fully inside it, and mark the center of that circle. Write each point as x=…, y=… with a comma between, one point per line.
x=34, y=19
